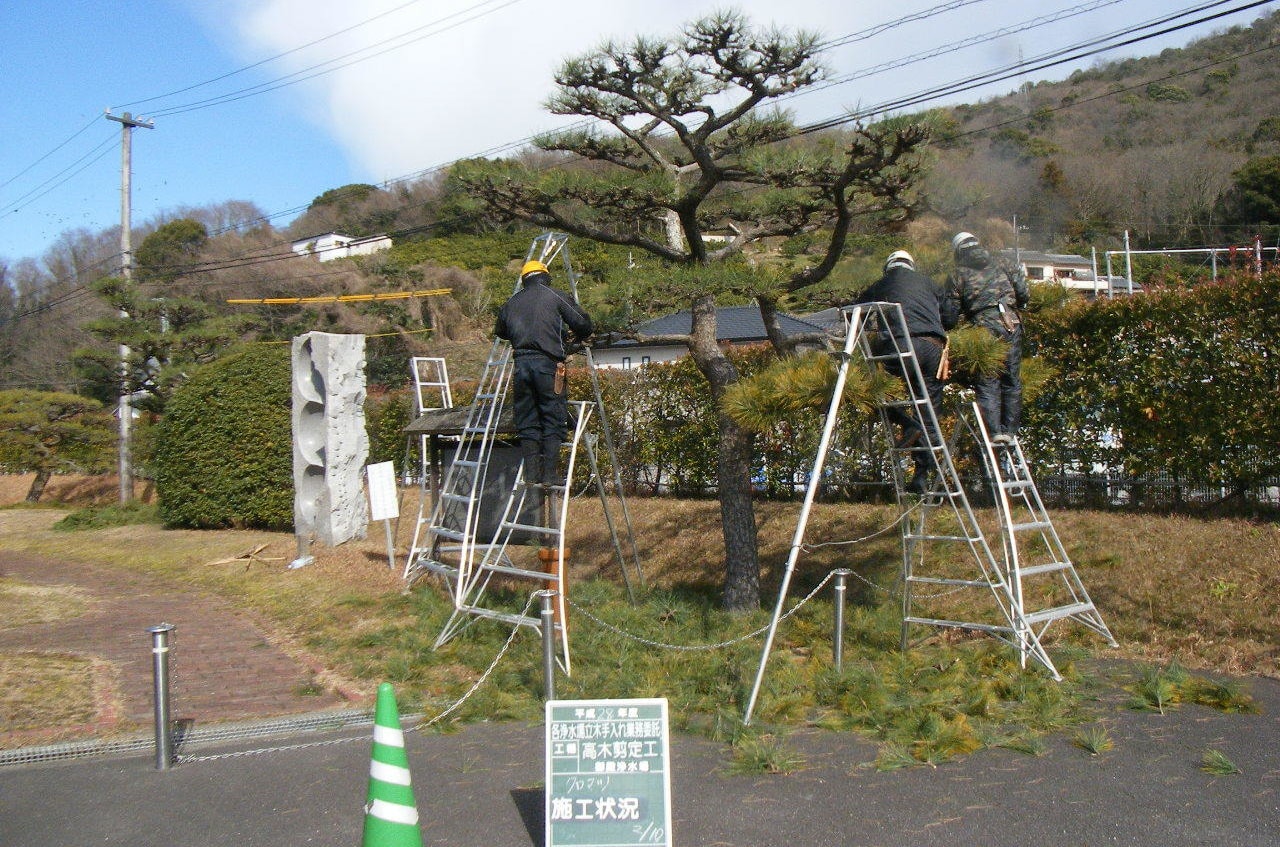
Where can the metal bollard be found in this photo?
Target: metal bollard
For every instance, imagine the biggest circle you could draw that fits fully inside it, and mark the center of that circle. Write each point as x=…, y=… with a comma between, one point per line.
x=837, y=649
x=548, y=643
x=160, y=672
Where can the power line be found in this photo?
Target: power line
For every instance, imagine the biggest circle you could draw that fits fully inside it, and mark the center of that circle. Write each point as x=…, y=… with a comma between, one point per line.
x=1045, y=61
x=71, y=138
x=15, y=205
x=991, y=35
x=322, y=68
x=269, y=59
x=916, y=99
x=280, y=82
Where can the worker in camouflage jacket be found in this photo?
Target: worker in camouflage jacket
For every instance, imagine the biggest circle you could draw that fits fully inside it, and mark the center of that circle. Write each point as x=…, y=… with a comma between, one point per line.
x=989, y=292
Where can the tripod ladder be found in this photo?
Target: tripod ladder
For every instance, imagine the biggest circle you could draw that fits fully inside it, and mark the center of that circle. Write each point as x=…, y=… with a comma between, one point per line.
x=932, y=526
x=544, y=523
x=1045, y=584
x=451, y=547
x=445, y=543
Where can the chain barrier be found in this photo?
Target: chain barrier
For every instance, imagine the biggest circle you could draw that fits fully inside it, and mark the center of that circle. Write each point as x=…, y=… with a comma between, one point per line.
x=415, y=728
x=891, y=592
x=697, y=647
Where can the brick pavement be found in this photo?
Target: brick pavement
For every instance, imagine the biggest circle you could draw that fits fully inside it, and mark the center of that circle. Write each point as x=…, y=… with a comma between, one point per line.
x=222, y=665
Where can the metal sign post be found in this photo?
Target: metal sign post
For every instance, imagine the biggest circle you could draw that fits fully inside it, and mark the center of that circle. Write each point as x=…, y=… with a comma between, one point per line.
x=383, y=503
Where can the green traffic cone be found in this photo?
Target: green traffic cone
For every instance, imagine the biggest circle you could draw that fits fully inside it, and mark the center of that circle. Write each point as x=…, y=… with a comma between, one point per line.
x=390, y=814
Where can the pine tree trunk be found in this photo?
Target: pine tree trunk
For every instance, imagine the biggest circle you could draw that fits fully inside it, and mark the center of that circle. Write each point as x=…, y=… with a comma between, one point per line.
x=733, y=468
x=37, y=486
x=738, y=518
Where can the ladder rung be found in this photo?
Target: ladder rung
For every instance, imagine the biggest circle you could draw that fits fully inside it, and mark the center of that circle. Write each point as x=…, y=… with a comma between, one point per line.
x=434, y=567
x=453, y=495
x=981, y=627
x=1023, y=527
x=1058, y=612
x=915, y=537
x=937, y=580
x=1048, y=567
x=524, y=527
x=465, y=463
x=514, y=620
x=510, y=570
x=451, y=534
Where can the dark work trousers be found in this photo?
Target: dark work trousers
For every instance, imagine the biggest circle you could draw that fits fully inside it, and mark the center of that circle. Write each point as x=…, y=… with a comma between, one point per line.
x=929, y=355
x=1000, y=398
x=541, y=415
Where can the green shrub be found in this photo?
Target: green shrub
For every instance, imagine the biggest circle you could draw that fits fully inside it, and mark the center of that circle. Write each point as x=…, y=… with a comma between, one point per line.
x=224, y=454
x=386, y=414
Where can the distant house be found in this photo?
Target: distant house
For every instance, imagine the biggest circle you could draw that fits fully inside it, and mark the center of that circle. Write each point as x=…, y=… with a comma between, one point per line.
x=734, y=325
x=335, y=245
x=1074, y=273
x=1054, y=267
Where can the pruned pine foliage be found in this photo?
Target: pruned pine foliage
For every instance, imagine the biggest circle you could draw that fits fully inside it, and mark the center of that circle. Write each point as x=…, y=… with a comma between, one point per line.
x=800, y=385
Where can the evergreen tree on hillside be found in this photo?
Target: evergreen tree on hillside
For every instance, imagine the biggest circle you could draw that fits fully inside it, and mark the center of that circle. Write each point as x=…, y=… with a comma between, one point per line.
x=692, y=148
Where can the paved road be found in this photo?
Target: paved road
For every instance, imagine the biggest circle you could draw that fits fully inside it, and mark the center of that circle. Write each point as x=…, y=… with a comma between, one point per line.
x=482, y=786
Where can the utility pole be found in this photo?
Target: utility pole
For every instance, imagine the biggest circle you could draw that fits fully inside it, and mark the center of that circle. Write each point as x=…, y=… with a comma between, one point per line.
x=1128, y=263
x=125, y=407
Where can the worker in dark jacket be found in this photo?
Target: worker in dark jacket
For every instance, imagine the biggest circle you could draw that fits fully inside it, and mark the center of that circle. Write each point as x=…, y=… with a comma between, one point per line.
x=927, y=316
x=989, y=291
x=538, y=320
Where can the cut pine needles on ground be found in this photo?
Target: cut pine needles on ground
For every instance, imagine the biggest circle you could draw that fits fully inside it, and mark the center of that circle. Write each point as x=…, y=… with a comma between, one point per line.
x=944, y=698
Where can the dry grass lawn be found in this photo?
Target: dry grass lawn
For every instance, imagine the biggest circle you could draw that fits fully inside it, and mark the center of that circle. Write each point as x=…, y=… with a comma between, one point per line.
x=1205, y=592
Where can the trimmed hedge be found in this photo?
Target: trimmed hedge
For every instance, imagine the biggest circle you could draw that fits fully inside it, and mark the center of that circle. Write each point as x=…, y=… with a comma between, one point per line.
x=1183, y=382
x=224, y=451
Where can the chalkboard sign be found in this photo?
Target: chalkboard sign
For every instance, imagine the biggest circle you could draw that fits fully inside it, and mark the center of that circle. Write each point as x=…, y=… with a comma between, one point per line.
x=608, y=773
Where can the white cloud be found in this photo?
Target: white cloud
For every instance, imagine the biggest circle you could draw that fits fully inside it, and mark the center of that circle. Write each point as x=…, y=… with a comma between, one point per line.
x=474, y=85
x=481, y=80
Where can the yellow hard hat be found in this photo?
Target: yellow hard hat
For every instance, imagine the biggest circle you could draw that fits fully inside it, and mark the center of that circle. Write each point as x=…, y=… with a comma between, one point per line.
x=533, y=266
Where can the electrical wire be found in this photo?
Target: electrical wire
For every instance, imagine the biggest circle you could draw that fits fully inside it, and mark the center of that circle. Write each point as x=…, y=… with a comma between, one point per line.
x=996, y=75
x=36, y=193
x=328, y=66
x=269, y=59
x=71, y=138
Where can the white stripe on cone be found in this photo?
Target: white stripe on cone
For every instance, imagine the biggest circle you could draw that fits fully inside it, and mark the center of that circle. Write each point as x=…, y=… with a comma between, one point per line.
x=388, y=735
x=394, y=774
x=393, y=812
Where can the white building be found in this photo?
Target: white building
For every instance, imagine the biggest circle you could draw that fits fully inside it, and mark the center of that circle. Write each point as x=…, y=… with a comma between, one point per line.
x=335, y=245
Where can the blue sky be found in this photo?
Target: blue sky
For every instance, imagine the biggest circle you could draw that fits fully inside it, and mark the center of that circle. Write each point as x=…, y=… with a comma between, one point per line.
x=452, y=78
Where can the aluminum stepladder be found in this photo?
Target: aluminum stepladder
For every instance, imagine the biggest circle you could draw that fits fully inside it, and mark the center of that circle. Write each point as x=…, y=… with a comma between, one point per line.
x=548, y=526
x=471, y=577
x=431, y=391
x=861, y=321
x=1045, y=584
x=943, y=518
x=444, y=543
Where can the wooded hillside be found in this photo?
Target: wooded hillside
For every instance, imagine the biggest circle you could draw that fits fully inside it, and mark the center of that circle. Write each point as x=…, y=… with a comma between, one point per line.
x=1180, y=148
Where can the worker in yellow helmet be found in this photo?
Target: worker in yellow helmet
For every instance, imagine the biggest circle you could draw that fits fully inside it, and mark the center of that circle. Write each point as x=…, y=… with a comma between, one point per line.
x=538, y=320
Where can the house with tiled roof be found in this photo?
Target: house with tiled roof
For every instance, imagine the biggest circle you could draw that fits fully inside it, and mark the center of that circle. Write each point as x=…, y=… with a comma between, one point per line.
x=735, y=325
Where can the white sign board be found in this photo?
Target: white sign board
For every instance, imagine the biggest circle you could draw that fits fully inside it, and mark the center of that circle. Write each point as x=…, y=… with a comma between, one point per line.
x=383, y=502
x=608, y=773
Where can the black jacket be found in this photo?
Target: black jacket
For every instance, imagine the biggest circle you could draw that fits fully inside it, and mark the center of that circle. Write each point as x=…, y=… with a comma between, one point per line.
x=536, y=317
x=925, y=307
